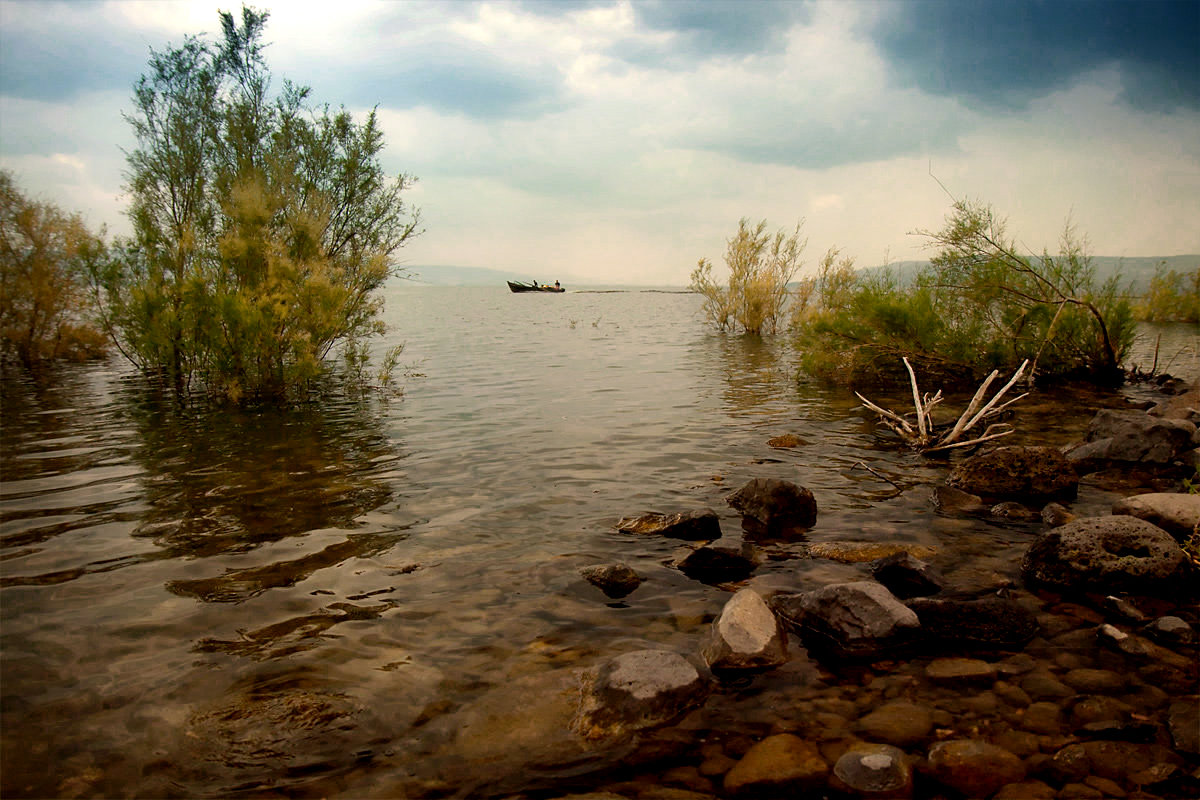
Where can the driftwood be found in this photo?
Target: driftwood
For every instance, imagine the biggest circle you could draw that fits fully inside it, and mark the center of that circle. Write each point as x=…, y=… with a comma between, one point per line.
x=922, y=437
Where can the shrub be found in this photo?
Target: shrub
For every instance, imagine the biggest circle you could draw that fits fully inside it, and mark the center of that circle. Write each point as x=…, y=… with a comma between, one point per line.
x=1171, y=297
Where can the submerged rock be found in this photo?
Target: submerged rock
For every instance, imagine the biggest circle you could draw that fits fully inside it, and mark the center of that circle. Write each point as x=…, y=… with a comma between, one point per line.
x=907, y=576
x=984, y=622
x=1023, y=473
x=637, y=690
x=1177, y=514
x=615, y=580
x=949, y=500
x=898, y=722
x=720, y=563
x=746, y=636
x=689, y=525
x=975, y=768
x=774, y=507
x=856, y=619
x=877, y=771
x=783, y=763
x=787, y=440
x=1107, y=554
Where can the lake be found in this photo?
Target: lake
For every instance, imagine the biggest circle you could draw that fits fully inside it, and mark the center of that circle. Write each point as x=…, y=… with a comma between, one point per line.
x=294, y=603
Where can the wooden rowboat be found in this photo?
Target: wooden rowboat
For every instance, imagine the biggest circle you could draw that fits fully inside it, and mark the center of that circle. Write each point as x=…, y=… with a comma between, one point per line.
x=534, y=287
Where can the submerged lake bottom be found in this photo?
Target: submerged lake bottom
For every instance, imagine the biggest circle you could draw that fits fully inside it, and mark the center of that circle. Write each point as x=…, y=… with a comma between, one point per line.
x=384, y=598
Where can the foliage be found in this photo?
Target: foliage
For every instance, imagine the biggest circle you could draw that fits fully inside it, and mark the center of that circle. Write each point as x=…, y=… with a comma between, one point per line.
x=760, y=268
x=263, y=227
x=1171, y=297
x=44, y=254
x=979, y=306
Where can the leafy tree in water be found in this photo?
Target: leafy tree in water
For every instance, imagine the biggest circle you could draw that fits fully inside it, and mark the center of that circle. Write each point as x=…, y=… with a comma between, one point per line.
x=1171, y=297
x=760, y=267
x=262, y=226
x=44, y=254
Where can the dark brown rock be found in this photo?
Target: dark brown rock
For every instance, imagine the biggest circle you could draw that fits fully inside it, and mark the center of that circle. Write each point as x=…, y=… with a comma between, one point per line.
x=689, y=525
x=774, y=507
x=780, y=763
x=720, y=563
x=907, y=576
x=983, y=622
x=1019, y=473
x=897, y=722
x=615, y=580
x=975, y=768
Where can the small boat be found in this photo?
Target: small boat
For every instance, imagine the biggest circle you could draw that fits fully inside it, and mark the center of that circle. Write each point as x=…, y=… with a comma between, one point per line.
x=534, y=287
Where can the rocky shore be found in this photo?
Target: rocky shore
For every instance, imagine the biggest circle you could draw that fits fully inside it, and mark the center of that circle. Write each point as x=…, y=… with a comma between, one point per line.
x=1079, y=680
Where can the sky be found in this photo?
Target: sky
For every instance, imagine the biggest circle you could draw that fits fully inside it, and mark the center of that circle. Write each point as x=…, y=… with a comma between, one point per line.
x=610, y=141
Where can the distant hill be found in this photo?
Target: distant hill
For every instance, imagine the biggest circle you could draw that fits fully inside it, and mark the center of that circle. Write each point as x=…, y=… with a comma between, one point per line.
x=1135, y=272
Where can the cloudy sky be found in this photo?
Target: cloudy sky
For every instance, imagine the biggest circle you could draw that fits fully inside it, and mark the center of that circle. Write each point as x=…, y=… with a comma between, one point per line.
x=619, y=142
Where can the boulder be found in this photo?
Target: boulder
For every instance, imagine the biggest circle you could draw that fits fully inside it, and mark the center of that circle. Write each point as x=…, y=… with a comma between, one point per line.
x=877, y=771
x=615, y=580
x=860, y=618
x=975, y=768
x=691, y=525
x=983, y=622
x=720, y=563
x=746, y=636
x=783, y=763
x=1134, y=436
x=906, y=576
x=1022, y=473
x=637, y=690
x=774, y=507
x=1111, y=555
x=1178, y=514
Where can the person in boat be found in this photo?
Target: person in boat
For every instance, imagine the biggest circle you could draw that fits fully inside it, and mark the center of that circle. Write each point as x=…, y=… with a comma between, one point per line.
x=556, y=286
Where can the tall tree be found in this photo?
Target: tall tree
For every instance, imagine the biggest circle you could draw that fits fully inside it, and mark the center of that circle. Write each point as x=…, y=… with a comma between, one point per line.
x=263, y=226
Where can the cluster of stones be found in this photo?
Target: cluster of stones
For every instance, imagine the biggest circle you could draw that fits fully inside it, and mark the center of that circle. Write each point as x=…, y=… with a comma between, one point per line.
x=1095, y=697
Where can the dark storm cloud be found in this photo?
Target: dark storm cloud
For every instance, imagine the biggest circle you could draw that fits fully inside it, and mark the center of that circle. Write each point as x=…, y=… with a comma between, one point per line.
x=1004, y=53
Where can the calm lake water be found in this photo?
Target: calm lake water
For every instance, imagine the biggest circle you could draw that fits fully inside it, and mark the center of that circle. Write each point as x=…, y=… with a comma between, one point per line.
x=287, y=603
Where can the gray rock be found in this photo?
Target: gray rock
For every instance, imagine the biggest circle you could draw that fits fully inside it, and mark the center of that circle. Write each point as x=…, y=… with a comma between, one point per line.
x=1124, y=609
x=975, y=768
x=1134, y=436
x=746, y=636
x=873, y=771
x=858, y=618
x=715, y=563
x=690, y=525
x=1020, y=473
x=615, y=580
x=1177, y=514
x=907, y=576
x=774, y=507
x=983, y=622
x=1171, y=630
x=637, y=690
x=1107, y=554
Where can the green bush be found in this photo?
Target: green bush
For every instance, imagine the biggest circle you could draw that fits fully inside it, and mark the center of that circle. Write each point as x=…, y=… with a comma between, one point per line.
x=1171, y=297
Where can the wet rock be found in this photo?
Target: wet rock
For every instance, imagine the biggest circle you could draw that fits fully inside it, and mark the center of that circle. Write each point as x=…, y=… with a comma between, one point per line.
x=1116, y=761
x=1056, y=515
x=774, y=507
x=1171, y=630
x=690, y=525
x=746, y=636
x=1183, y=720
x=1107, y=554
x=1095, y=681
x=1042, y=685
x=1141, y=649
x=777, y=764
x=1099, y=709
x=1029, y=473
x=787, y=440
x=637, y=690
x=858, y=618
x=615, y=580
x=862, y=552
x=720, y=563
x=1133, y=436
x=876, y=771
x=898, y=722
x=960, y=672
x=907, y=576
x=1027, y=790
x=1124, y=609
x=1178, y=514
x=982, y=622
x=975, y=768
x=1043, y=718
x=949, y=500
x=1013, y=511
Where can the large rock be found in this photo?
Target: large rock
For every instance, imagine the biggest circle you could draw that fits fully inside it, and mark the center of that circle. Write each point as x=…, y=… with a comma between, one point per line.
x=1111, y=555
x=746, y=636
x=717, y=563
x=691, y=525
x=984, y=622
x=615, y=580
x=860, y=618
x=779, y=764
x=1178, y=514
x=907, y=576
x=1030, y=473
x=1134, y=436
x=637, y=690
x=977, y=769
x=774, y=508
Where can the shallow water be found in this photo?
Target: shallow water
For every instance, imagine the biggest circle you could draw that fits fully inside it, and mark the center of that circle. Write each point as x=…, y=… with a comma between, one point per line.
x=210, y=603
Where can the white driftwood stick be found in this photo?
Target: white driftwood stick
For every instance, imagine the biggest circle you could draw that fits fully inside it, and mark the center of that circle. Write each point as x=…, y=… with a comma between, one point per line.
x=912, y=376
x=961, y=425
x=883, y=412
x=969, y=442
x=984, y=411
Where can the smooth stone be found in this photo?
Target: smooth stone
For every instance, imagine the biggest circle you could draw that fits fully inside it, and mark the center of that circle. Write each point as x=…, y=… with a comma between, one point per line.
x=1042, y=685
x=637, y=690
x=949, y=500
x=907, y=576
x=857, y=618
x=1171, y=630
x=783, y=762
x=1183, y=719
x=1095, y=681
x=1178, y=514
x=1027, y=790
x=746, y=636
x=1042, y=718
x=775, y=506
x=960, y=672
x=876, y=771
x=615, y=580
x=898, y=722
x=690, y=525
x=975, y=768
x=715, y=563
